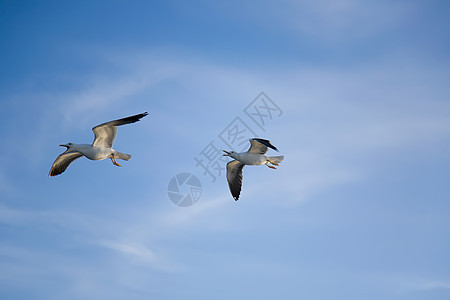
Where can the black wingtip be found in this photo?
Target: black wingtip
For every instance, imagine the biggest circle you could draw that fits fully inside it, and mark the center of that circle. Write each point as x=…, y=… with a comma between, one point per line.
x=140, y=116
x=266, y=143
x=134, y=118
x=54, y=173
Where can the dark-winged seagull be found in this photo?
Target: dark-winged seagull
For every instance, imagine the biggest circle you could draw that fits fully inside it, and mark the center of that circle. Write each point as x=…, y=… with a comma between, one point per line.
x=255, y=156
x=101, y=148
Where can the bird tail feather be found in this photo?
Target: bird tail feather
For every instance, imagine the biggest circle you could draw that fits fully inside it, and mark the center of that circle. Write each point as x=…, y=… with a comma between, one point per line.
x=123, y=156
x=276, y=159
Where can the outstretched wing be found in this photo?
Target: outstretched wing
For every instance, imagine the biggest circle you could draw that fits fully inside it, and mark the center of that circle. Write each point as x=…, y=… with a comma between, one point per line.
x=234, y=177
x=260, y=146
x=106, y=133
x=62, y=162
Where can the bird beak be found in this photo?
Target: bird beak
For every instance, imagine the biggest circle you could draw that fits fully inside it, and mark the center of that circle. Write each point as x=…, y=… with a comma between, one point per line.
x=62, y=145
x=227, y=153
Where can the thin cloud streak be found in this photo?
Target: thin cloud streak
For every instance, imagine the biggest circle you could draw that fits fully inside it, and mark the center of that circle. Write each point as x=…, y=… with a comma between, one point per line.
x=343, y=20
x=139, y=254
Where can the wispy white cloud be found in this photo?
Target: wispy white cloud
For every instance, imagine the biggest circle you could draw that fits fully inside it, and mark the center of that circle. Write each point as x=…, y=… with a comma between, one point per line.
x=139, y=254
x=7, y=187
x=342, y=20
x=325, y=20
x=12, y=216
x=195, y=214
x=105, y=94
x=430, y=285
x=412, y=284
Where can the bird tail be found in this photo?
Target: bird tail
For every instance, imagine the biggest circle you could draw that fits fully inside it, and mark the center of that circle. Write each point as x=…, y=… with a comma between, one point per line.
x=123, y=156
x=276, y=159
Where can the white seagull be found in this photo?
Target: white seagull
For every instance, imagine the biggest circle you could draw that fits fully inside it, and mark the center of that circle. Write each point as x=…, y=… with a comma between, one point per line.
x=101, y=148
x=255, y=156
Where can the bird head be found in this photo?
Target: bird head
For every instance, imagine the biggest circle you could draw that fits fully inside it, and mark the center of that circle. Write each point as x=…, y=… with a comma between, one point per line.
x=68, y=146
x=231, y=153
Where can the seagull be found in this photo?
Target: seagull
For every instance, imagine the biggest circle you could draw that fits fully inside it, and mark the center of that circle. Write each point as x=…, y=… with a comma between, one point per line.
x=101, y=148
x=255, y=156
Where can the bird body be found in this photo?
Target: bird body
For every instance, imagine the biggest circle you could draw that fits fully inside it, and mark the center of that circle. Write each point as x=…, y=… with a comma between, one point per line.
x=254, y=159
x=97, y=153
x=101, y=147
x=255, y=156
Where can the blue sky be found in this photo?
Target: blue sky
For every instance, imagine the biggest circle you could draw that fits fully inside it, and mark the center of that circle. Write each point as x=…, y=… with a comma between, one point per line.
x=358, y=210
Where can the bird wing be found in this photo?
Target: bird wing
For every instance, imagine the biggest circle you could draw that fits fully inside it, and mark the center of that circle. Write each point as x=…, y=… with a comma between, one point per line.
x=106, y=133
x=260, y=146
x=234, y=177
x=62, y=162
